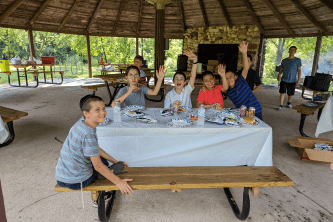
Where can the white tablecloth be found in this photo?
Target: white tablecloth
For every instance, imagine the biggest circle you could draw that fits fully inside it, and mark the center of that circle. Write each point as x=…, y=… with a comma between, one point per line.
x=3, y=131
x=325, y=123
x=159, y=145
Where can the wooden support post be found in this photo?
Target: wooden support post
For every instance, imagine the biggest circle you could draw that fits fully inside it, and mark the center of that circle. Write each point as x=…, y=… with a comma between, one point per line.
x=2, y=207
x=159, y=39
x=260, y=50
x=31, y=42
x=89, y=55
x=137, y=46
x=317, y=53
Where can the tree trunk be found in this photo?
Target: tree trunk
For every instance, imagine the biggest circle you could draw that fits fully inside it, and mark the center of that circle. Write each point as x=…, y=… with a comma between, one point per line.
x=280, y=50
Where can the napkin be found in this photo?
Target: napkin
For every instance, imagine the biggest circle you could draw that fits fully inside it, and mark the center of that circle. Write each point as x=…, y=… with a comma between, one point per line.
x=3, y=131
x=325, y=123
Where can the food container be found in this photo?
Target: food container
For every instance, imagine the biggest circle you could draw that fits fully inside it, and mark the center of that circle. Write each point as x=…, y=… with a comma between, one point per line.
x=243, y=109
x=48, y=59
x=252, y=111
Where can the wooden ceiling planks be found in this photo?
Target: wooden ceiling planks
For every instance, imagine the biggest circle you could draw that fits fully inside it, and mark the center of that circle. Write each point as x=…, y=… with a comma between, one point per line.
x=10, y=10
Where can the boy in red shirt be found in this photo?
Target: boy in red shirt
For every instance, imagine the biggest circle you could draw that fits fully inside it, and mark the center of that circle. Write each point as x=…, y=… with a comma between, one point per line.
x=212, y=97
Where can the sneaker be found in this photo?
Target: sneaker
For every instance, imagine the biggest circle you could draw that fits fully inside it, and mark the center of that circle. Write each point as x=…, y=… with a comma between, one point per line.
x=280, y=108
x=95, y=204
x=117, y=167
x=289, y=105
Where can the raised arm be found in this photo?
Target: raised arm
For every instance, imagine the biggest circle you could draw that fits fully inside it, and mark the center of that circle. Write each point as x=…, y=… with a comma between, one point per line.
x=221, y=71
x=160, y=75
x=243, y=48
x=194, y=58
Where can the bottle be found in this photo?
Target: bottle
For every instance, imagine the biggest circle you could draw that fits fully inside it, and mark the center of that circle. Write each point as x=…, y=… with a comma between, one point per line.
x=201, y=115
x=116, y=112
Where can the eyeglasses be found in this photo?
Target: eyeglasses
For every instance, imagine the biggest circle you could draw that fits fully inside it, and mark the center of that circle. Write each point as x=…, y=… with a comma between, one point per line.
x=133, y=76
x=181, y=79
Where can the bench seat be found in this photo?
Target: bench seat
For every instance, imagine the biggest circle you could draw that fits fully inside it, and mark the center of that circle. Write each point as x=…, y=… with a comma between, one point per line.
x=96, y=86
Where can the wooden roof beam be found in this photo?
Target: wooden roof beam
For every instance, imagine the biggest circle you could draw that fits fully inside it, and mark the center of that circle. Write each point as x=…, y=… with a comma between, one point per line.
x=202, y=7
x=307, y=15
x=40, y=10
x=183, y=17
x=254, y=17
x=10, y=10
x=225, y=13
x=139, y=19
x=328, y=4
x=94, y=14
x=68, y=14
x=121, y=6
x=278, y=16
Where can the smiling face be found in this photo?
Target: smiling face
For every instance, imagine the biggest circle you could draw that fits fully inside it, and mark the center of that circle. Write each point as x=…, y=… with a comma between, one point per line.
x=133, y=77
x=179, y=81
x=138, y=63
x=209, y=81
x=231, y=78
x=96, y=115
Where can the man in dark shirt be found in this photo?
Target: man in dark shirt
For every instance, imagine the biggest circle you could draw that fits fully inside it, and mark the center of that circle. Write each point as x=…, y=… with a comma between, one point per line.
x=252, y=76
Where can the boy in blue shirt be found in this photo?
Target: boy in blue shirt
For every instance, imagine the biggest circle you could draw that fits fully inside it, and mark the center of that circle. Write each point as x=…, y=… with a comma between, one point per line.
x=290, y=67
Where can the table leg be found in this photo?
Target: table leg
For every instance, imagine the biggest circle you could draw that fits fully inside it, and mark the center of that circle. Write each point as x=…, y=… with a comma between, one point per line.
x=11, y=134
x=301, y=125
x=18, y=76
x=109, y=92
x=246, y=203
x=26, y=76
x=319, y=113
x=44, y=74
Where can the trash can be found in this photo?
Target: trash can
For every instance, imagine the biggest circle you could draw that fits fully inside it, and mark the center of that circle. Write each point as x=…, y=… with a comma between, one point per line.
x=4, y=65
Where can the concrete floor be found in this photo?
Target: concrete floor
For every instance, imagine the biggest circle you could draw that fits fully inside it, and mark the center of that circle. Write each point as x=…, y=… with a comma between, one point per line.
x=27, y=168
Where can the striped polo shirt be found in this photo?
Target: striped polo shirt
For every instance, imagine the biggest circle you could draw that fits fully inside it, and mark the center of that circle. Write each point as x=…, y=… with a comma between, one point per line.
x=74, y=164
x=241, y=94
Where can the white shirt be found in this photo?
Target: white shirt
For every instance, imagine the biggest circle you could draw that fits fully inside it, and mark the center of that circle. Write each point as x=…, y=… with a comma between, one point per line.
x=184, y=97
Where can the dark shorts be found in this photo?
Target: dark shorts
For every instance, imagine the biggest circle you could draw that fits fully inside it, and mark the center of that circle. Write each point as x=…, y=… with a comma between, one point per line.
x=289, y=87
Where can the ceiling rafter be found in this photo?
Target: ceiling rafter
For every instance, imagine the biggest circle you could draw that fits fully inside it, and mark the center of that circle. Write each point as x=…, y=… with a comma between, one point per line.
x=40, y=10
x=202, y=7
x=94, y=14
x=68, y=15
x=139, y=19
x=182, y=15
x=256, y=20
x=225, y=13
x=278, y=16
x=10, y=10
x=307, y=15
x=328, y=4
x=120, y=9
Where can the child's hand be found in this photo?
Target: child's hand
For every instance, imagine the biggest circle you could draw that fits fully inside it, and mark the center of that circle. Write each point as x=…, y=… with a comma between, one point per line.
x=177, y=102
x=125, y=164
x=124, y=187
x=221, y=70
x=203, y=89
x=161, y=73
x=133, y=88
x=191, y=55
x=243, y=46
x=216, y=105
x=278, y=77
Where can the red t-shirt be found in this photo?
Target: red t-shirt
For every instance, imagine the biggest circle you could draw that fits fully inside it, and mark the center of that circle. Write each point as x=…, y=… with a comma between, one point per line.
x=211, y=96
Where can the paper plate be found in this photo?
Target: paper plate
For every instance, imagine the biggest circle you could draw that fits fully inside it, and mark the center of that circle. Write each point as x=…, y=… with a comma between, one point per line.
x=242, y=122
x=133, y=113
x=192, y=118
x=216, y=120
x=134, y=107
x=146, y=119
x=216, y=110
x=107, y=120
x=179, y=122
x=230, y=122
x=186, y=109
x=166, y=112
x=311, y=104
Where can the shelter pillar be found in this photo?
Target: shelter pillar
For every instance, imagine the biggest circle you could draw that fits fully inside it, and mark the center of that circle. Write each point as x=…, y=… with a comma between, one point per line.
x=317, y=53
x=31, y=42
x=89, y=55
x=259, y=58
x=137, y=46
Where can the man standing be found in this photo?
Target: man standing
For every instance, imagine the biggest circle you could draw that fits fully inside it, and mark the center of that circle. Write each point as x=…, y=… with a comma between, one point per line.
x=290, y=67
x=252, y=76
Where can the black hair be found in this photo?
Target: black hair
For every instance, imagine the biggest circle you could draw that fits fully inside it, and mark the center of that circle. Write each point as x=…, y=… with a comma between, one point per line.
x=132, y=67
x=85, y=102
x=249, y=56
x=207, y=72
x=178, y=73
x=293, y=47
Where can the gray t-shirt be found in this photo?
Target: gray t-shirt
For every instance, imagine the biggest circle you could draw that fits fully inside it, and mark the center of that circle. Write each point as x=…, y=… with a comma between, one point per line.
x=136, y=98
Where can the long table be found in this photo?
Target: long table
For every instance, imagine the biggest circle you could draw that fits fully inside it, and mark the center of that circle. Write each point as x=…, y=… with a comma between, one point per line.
x=159, y=145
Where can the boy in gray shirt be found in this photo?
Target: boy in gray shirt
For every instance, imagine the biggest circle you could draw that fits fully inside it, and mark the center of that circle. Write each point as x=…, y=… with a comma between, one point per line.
x=132, y=94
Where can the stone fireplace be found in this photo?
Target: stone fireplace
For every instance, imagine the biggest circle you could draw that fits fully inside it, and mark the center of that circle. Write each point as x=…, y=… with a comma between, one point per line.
x=224, y=35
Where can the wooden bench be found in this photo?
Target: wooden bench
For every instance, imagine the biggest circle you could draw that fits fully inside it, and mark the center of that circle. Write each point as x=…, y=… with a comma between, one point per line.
x=162, y=89
x=94, y=87
x=8, y=116
x=161, y=178
x=35, y=73
x=307, y=110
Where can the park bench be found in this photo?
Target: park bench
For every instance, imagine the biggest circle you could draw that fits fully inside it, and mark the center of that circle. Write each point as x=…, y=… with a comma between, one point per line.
x=35, y=72
x=178, y=178
x=8, y=116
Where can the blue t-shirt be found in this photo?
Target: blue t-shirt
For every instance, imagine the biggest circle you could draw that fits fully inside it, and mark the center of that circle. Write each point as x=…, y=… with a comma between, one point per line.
x=74, y=164
x=289, y=67
x=241, y=94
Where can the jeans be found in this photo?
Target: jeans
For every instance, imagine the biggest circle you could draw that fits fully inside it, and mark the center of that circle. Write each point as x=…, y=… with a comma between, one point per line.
x=77, y=186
